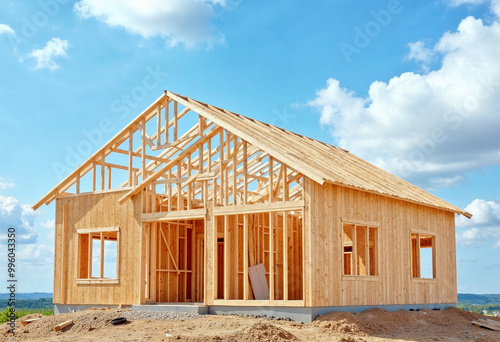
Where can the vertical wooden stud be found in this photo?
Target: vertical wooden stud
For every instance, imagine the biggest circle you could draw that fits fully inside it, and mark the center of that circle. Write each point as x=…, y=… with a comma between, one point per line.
x=285, y=255
x=245, y=257
x=227, y=259
x=167, y=123
x=64, y=255
x=143, y=149
x=271, y=256
x=158, y=125
x=176, y=121
x=130, y=157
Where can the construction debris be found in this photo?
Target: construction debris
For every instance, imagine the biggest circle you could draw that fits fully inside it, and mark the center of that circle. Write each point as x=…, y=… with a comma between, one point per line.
x=63, y=325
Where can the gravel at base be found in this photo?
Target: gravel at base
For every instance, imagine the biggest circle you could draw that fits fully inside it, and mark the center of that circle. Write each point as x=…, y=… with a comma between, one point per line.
x=159, y=315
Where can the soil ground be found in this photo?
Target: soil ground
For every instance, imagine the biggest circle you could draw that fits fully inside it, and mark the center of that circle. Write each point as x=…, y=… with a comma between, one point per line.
x=371, y=325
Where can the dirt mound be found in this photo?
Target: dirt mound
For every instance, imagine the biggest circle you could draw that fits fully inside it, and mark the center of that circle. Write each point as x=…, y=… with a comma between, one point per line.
x=262, y=331
x=379, y=322
x=84, y=321
x=375, y=325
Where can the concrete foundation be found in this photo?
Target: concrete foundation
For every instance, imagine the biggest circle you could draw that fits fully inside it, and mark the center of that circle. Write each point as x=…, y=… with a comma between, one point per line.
x=197, y=308
x=299, y=314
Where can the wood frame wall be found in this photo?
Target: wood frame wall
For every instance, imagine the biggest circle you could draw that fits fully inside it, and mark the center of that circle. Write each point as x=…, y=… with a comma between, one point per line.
x=328, y=206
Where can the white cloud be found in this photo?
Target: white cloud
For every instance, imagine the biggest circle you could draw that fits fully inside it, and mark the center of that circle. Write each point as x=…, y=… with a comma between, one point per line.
x=179, y=21
x=20, y=216
x=56, y=47
x=36, y=254
x=49, y=224
x=6, y=183
x=428, y=128
x=484, y=226
x=420, y=54
x=484, y=214
x=455, y=3
x=6, y=29
x=495, y=7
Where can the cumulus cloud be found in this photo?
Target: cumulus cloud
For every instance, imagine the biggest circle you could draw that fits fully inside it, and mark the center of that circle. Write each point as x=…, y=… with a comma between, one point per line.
x=495, y=7
x=429, y=128
x=6, y=183
x=6, y=29
x=20, y=216
x=179, y=21
x=484, y=226
x=420, y=54
x=36, y=254
x=56, y=47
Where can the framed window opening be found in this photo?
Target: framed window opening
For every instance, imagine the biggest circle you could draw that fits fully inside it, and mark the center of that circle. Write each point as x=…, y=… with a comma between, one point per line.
x=360, y=255
x=423, y=256
x=98, y=255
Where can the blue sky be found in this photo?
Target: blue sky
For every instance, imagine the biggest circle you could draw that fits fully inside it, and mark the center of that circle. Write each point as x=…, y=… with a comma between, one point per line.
x=411, y=86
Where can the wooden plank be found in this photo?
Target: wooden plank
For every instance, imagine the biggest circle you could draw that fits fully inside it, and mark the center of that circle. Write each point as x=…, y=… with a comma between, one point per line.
x=172, y=259
x=285, y=256
x=102, y=171
x=143, y=150
x=97, y=230
x=257, y=274
x=165, y=168
x=245, y=257
x=174, y=215
x=176, y=122
x=272, y=262
x=64, y=255
x=167, y=122
x=259, y=208
x=63, y=325
x=158, y=124
x=227, y=259
x=101, y=270
x=490, y=322
x=486, y=325
x=28, y=321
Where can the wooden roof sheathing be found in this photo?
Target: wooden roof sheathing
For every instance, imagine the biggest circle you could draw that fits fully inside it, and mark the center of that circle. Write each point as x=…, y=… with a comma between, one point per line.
x=317, y=160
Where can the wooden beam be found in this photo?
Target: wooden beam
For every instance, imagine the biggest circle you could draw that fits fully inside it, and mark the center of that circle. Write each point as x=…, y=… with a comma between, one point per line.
x=227, y=258
x=158, y=125
x=167, y=122
x=97, y=230
x=174, y=215
x=260, y=208
x=64, y=255
x=170, y=252
x=115, y=141
x=285, y=255
x=245, y=174
x=166, y=167
x=205, y=111
x=63, y=325
x=245, y=258
x=271, y=257
x=101, y=272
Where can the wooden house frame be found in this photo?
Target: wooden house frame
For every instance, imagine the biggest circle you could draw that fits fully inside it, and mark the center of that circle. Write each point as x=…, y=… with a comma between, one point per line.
x=191, y=203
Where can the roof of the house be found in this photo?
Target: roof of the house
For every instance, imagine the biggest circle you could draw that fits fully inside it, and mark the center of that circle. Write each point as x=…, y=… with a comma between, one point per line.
x=317, y=160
